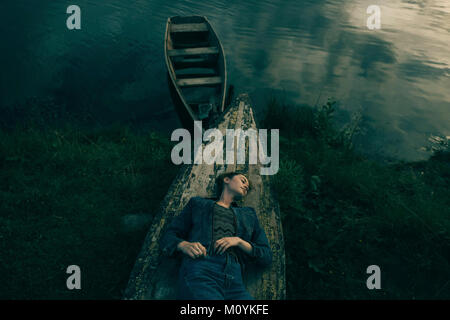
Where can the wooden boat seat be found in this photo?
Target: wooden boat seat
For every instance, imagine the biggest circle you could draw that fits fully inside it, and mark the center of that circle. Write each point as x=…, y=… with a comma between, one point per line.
x=194, y=44
x=195, y=82
x=195, y=72
x=191, y=62
x=193, y=51
x=189, y=27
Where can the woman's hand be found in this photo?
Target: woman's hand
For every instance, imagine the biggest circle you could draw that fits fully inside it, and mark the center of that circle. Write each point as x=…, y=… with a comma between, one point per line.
x=192, y=249
x=221, y=245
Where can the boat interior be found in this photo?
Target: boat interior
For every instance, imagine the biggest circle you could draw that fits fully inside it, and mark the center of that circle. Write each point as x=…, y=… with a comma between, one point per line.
x=196, y=63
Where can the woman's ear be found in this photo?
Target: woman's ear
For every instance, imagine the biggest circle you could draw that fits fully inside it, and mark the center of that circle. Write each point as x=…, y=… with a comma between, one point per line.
x=226, y=180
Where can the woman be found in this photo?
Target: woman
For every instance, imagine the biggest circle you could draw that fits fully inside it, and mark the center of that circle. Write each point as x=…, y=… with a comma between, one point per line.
x=216, y=239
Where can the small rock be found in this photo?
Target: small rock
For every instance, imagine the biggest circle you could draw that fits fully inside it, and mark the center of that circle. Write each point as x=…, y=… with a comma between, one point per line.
x=136, y=222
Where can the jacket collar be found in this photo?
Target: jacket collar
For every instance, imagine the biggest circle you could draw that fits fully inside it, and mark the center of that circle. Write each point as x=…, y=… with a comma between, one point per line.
x=215, y=199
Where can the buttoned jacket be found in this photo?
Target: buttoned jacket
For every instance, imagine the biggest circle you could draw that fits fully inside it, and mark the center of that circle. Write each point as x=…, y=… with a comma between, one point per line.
x=195, y=224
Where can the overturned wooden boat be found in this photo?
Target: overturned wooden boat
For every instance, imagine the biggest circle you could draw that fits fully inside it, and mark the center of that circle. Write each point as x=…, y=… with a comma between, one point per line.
x=196, y=68
x=154, y=276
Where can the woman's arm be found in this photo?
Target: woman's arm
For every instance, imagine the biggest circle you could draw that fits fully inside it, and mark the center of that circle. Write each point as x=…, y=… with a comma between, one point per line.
x=261, y=252
x=245, y=246
x=177, y=230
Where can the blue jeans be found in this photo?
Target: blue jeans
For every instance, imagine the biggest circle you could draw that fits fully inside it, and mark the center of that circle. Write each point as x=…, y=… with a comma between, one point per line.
x=211, y=277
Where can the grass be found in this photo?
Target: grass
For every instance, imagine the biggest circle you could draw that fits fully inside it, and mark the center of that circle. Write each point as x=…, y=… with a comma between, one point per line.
x=63, y=194
x=64, y=191
x=342, y=213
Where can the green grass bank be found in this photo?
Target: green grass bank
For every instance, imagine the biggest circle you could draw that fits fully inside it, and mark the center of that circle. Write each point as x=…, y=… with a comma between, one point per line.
x=64, y=194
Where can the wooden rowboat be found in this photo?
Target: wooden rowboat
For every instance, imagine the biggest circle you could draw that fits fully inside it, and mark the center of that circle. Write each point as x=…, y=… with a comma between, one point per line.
x=154, y=276
x=196, y=68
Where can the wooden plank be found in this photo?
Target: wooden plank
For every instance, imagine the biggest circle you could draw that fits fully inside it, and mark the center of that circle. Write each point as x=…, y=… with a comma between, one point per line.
x=154, y=276
x=195, y=72
x=194, y=82
x=194, y=63
x=195, y=44
x=193, y=51
x=189, y=27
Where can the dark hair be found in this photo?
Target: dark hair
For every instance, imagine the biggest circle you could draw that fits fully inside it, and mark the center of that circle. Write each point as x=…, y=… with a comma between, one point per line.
x=220, y=182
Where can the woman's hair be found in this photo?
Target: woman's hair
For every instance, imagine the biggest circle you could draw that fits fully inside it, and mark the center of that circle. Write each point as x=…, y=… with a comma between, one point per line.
x=220, y=183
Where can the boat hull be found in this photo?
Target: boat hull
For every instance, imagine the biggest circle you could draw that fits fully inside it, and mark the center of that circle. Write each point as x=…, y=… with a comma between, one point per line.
x=154, y=276
x=196, y=68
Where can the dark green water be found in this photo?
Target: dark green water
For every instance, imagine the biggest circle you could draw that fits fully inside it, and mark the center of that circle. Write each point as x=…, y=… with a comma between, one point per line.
x=397, y=76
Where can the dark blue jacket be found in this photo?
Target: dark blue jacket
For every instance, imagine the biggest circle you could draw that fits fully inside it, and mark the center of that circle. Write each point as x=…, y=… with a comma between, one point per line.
x=194, y=224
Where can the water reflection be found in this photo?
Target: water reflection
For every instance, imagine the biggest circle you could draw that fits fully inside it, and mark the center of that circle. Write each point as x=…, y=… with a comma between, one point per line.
x=307, y=50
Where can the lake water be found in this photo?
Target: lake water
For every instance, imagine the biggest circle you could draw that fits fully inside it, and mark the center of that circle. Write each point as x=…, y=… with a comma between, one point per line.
x=305, y=51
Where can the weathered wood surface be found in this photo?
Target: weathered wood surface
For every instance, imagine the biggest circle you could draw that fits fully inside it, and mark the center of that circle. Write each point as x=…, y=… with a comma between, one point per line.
x=193, y=51
x=189, y=27
x=205, y=81
x=155, y=276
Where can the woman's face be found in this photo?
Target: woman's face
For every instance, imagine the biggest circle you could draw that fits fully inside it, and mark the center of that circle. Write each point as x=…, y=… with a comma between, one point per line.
x=238, y=185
